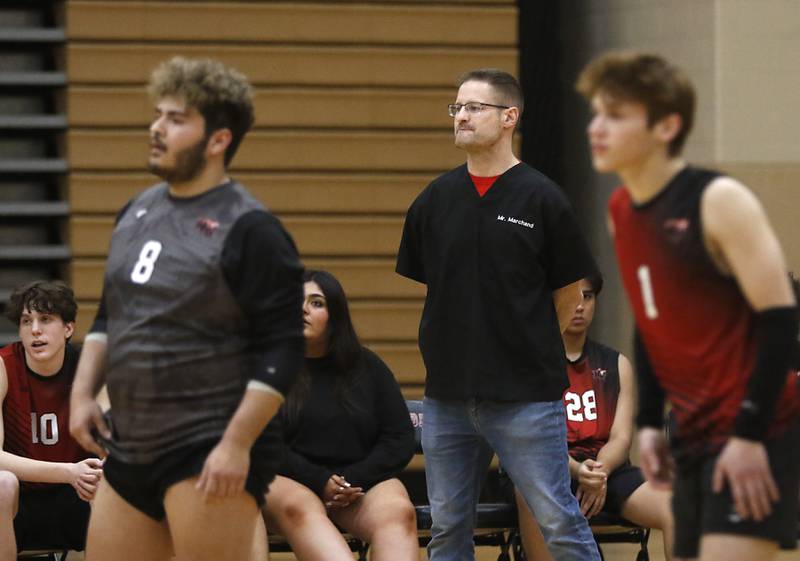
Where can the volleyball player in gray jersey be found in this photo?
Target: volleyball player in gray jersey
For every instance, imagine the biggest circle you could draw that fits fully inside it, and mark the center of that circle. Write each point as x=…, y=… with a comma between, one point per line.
x=198, y=337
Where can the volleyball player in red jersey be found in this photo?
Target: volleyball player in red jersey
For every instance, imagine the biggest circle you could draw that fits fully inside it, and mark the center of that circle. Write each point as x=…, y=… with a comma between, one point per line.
x=715, y=314
x=46, y=478
x=600, y=403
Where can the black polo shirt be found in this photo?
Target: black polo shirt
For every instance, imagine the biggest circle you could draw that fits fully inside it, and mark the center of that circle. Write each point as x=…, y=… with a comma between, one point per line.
x=489, y=328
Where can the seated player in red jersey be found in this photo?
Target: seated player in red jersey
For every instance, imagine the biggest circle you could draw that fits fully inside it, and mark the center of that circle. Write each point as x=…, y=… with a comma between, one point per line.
x=600, y=408
x=716, y=318
x=46, y=478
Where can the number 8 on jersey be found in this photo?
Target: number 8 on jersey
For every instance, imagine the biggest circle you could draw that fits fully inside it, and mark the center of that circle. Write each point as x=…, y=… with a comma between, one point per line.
x=143, y=269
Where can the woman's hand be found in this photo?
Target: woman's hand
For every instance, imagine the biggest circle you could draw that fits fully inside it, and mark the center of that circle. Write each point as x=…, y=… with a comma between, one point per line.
x=339, y=493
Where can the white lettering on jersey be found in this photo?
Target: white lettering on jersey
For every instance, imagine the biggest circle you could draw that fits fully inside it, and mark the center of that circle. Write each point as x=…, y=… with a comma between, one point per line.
x=45, y=430
x=574, y=403
x=143, y=269
x=646, y=286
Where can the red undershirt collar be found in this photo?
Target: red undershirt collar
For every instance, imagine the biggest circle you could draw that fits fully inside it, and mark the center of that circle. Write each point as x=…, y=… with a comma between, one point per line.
x=482, y=184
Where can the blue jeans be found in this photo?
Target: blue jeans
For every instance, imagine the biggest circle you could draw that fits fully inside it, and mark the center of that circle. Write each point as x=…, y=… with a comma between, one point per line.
x=530, y=438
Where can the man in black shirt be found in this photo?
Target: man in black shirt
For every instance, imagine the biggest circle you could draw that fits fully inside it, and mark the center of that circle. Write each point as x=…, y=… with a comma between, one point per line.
x=501, y=253
x=200, y=335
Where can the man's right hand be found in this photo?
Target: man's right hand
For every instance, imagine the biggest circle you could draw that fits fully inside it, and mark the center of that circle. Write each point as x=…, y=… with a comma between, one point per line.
x=85, y=477
x=85, y=416
x=654, y=458
x=744, y=466
x=591, y=475
x=591, y=501
x=592, y=487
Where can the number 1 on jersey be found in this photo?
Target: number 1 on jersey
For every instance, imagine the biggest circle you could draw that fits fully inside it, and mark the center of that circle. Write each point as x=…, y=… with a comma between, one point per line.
x=143, y=269
x=650, y=310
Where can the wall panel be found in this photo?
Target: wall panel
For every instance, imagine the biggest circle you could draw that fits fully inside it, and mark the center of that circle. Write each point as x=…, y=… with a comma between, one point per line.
x=351, y=124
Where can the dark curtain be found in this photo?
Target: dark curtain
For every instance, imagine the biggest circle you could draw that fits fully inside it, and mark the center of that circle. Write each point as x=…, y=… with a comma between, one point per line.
x=539, y=64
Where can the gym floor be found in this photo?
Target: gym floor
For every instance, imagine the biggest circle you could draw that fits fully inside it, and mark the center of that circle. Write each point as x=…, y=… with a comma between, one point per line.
x=612, y=552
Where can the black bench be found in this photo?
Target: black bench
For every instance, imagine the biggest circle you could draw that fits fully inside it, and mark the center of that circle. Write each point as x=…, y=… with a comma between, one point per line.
x=496, y=522
x=42, y=554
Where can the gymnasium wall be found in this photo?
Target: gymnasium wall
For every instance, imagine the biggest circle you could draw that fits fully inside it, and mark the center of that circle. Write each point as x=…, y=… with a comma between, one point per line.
x=351, y=120
x=351, y=124
x=742, y=57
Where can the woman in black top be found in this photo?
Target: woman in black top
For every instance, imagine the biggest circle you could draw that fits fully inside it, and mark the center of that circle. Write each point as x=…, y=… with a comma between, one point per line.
x=347, y=435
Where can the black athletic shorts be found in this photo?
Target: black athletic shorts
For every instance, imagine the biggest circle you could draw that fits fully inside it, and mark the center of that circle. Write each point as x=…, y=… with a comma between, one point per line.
x=51, y=519
x=144, y=485
x=622, y=482
x=698, y=510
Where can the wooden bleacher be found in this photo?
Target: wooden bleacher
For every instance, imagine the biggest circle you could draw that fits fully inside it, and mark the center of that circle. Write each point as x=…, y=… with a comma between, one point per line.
x=351, y=125
x=32, y=167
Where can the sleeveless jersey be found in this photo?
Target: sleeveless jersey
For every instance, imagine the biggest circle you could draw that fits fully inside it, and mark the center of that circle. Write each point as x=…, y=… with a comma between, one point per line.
x=36, y=411
x=697, y=327
x=591, y=399
x=178, y=359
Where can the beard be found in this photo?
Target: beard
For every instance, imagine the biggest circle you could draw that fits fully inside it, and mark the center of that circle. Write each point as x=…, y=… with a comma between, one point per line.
x=189, y=162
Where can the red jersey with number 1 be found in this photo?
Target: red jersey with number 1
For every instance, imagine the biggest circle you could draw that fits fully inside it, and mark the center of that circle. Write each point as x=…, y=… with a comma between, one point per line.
x=36, y=410
x=697, y=328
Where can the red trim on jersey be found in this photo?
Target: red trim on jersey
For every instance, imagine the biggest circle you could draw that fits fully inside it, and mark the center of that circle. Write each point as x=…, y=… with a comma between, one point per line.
x=591, y=399
x=482, y=184
x=697, y=327
x=41, y=404
x=590, y=409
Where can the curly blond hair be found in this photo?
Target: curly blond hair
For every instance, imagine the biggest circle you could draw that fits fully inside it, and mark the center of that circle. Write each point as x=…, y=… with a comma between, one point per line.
x=221, y=94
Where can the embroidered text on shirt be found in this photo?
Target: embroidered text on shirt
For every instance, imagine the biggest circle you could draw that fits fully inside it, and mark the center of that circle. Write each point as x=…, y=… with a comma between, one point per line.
x=513, y=220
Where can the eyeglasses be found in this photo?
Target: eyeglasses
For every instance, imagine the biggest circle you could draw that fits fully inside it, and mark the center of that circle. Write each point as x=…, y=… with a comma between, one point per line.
x=473, y=107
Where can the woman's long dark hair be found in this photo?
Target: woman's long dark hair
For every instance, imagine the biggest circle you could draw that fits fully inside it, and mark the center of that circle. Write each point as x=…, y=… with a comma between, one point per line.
x=343, y=346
